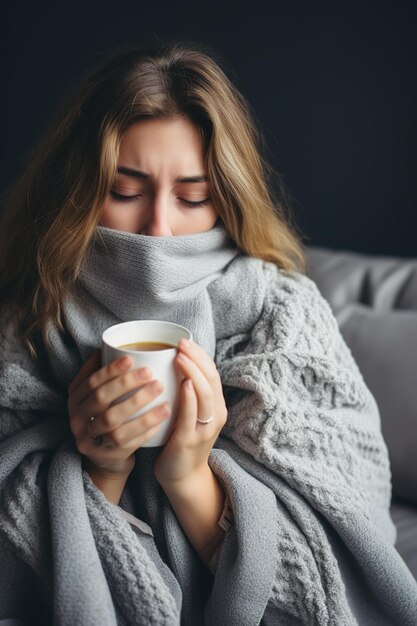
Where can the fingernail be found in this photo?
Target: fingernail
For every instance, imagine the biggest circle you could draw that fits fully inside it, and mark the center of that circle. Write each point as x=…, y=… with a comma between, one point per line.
x=125, y=362
x=182, y=357
x=143, y=374
x=155, y=387
x=164, y=410
x=185, y=343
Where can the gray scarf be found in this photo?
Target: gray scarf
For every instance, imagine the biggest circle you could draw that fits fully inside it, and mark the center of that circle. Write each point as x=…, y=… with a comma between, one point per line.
x=129, y=276
x=301, y=456
x=159, y=277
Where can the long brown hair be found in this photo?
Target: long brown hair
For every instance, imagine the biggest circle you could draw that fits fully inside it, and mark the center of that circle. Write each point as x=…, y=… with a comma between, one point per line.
x=52, y=210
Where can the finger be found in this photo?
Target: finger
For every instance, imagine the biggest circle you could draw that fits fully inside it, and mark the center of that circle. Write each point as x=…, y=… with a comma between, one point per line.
x=98, y=377
x=202, y=387
x=135, y=432
x=197, y=354
x=187, y=417
x=114, y=416
x=100, y=398
x=90, y=366
x=129, y=436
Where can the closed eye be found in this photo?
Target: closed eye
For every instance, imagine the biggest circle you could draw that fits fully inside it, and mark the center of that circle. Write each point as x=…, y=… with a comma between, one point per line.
x=190, y=203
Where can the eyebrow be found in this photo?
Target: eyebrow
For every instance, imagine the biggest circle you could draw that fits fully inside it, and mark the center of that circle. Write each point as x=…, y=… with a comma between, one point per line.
x=128, y=171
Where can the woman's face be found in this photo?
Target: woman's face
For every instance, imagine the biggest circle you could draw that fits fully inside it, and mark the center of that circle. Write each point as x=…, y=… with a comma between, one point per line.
x=162, y=173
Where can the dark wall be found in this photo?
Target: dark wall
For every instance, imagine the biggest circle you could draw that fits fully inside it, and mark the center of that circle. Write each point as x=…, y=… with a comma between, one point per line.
x=332, y=85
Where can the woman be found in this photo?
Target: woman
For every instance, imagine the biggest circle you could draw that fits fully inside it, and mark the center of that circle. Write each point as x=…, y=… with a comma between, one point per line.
x=149, y=198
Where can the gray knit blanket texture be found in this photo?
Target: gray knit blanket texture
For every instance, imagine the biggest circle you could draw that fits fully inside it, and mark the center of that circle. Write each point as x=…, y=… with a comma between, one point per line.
x=301, y=457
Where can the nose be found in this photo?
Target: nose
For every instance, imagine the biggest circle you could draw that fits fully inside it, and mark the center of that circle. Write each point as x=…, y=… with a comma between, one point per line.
x=157, y=219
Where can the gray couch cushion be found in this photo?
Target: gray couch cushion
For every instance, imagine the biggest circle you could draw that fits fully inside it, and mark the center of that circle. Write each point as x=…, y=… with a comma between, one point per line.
x=381, y=282
x=384, y=346
x=375, y=303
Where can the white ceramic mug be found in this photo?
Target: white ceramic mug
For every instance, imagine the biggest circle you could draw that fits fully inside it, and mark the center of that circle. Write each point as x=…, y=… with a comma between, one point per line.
x=160, y=363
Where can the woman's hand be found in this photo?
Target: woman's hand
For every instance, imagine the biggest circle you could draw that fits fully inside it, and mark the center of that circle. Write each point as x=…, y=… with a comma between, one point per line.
x=91, y=393
x=188, y=449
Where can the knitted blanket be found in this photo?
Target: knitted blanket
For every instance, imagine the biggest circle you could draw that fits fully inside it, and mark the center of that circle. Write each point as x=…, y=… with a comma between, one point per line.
x=301, y=457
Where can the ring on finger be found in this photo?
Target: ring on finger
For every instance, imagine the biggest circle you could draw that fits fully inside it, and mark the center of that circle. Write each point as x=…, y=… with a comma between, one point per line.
x=97, y=438
x=206, y=421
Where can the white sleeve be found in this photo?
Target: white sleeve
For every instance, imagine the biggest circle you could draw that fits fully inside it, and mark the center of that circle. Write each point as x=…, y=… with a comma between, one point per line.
x=134, y=521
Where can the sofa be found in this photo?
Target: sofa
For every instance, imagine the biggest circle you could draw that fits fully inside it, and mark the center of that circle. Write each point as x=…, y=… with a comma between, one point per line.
x=374, y=299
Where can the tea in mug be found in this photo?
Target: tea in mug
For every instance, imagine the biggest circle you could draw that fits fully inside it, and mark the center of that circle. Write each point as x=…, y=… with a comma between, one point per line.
x=147, y=346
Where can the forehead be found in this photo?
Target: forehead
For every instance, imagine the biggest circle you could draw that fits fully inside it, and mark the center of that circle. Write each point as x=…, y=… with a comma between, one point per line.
x=151, y=140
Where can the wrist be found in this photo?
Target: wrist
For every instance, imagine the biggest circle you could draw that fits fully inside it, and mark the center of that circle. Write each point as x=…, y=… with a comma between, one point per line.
x=188, y=482
x=110, y=483
x=112, y=473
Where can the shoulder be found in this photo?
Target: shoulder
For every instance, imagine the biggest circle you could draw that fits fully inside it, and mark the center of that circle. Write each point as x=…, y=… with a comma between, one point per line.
x=15, y=361
x=257, y=297
x=291, y=286
x=11, y=343
x=19, y=371
x=296, y=338
x=298, y=326
x=297, y=310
